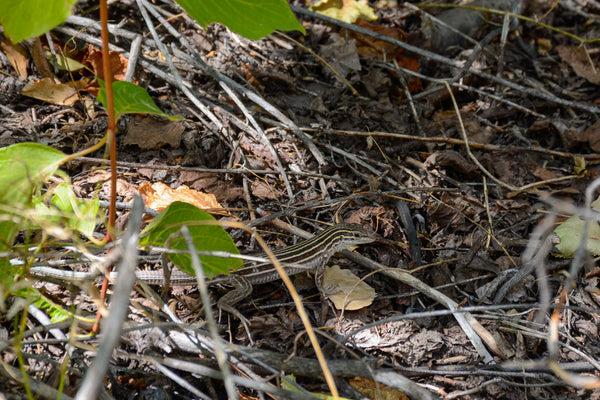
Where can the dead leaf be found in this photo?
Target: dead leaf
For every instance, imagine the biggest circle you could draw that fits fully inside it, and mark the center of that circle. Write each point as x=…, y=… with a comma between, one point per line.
x=450, y=159
x=375, y=48
x=345, y=10
x=264, y=191
x=150, y=133
x=17, y=56
x=158, y=196
x=64, y=63
x=341, y=54
x=118, y=63
x=346, y=290
x=54, y=92
x=578, y=59
x=592, y=135
x=371, y=390
x=212, y=183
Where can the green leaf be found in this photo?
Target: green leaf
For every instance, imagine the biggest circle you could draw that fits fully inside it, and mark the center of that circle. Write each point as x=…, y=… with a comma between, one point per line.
x=206, y=238
x=57, y=313
x=570, y=233
x=64, y=63
x=252, y=19
x=80, y=215
x=23, y=19
x=23, y=167
x=131, y=99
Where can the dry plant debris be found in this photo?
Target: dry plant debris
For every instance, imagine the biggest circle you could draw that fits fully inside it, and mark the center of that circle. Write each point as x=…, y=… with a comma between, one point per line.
x=458, y=135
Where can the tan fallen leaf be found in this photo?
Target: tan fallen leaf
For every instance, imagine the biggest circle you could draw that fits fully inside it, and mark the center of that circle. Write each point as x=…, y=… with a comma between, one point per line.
x=54, y=92
x=158, y=196
x=17, y=56
x=346, y=290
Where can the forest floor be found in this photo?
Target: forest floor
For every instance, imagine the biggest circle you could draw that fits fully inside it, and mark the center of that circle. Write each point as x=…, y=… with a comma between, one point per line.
x=464, y=153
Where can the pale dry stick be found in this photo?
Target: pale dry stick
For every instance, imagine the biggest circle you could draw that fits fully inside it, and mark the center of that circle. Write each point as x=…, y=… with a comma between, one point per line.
x=576, y=265
x=466, y=321
x=436, y=57
x=533, y=258
x=184, y=88
x=484, y=170
x=204, y=67
x=445, y=140
x=498, y=99
x=263, y=136
x=318, y=57
x=88, y=23
x=166, y=372
x=125, y=164
x=134, y=55
x=488, y=213
x=293, y=293
x=472, y=328
x=187, y=339
x=212, y=325
x=258, y=385
x=94, y=378
x=503, y=37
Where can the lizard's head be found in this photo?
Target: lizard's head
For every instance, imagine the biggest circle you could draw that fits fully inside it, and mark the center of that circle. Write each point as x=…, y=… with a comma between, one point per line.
x=348, y=235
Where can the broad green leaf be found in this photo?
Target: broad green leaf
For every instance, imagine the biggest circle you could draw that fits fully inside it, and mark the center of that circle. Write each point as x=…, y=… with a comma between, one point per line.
x=131, y=99
x=23, y=19
x=570, y=234
x=206, y=238
x=252, y=19
x=7, y=274
x=8, y=231
x=23, y=167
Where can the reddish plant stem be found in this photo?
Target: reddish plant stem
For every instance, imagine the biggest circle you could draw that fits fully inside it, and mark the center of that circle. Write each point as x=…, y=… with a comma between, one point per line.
x=110, y=133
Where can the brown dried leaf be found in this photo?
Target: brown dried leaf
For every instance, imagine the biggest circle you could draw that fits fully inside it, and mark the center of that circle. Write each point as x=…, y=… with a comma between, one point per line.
x=592, y=134
x=212, y=183
x=452, y=160
x=158, y=196
x=264, y=191
x=17, y=56
x=346, y=290
x=118, y=63
x=341, y=55
x=52, y=92
x=149, y=133
x=578, y=59
x=375, y=48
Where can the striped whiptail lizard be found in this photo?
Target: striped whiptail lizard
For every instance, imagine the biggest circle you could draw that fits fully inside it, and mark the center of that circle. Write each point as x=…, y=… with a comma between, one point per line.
x=309, y=255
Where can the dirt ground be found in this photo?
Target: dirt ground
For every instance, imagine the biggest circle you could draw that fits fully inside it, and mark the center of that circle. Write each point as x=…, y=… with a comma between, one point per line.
x=463, y=154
